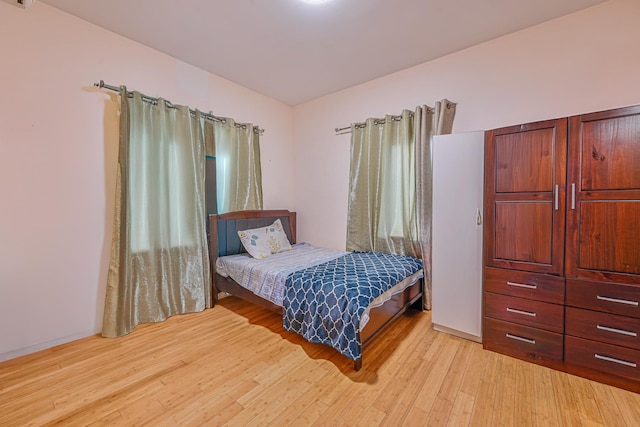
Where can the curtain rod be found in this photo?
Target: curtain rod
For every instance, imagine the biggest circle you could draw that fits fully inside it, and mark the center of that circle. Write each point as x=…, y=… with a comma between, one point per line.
x=101, y=84
x=347, y=129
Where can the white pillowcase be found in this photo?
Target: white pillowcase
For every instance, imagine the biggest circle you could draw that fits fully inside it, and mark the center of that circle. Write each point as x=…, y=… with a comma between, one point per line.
x=265, y=241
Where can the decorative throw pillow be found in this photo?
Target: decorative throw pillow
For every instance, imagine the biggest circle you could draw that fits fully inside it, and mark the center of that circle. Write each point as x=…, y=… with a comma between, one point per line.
x=265, y=241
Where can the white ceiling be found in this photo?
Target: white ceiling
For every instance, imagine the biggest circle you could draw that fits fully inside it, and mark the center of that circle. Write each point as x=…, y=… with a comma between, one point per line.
x=295, y=52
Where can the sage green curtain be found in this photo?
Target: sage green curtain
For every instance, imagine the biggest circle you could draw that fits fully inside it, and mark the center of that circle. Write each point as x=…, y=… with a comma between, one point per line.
x=159, y=259
x=428, y=122
x=390, y=189
x=382, y=210
x=236, y=147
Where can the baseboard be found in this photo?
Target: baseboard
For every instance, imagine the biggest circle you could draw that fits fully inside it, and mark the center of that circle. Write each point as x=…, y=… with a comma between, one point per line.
x=457, y=333
x=43, y=346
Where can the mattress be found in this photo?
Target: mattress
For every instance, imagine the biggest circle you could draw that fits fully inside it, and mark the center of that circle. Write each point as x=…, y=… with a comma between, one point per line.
x=266, y=277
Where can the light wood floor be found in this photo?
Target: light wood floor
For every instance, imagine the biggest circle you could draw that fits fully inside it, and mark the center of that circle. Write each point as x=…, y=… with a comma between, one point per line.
x=234, y=365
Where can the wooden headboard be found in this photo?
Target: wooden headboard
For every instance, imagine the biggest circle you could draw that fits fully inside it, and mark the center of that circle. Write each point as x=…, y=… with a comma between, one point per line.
x=223, y=232
x=224, y=240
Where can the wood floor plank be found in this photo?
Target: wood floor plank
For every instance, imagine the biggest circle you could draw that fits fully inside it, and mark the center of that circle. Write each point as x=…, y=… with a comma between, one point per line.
x=234, y=365
x=608, y=406
x=415, y=418
x=306, y=400
x=629, y=405
x=461, y=411
x=546, y=407
x=475, y=369
x=409, y=390
x=586, y=404
x=410, y=376
x=430, y=389
x=565, y=399
x=484, y=406
x=281, y=393
x=524, y=414
x=112, y=418
x=371, y=418
x=506, y=390
x=457, y=371
x=312, y=415
x=440, y=412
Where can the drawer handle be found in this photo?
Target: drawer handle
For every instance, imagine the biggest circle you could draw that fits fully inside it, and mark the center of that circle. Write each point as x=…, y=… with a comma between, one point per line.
x=522, y=285
x=619, y=301
x=618, y=361
x=517, y=338
x=526, y=313
x=617, y=331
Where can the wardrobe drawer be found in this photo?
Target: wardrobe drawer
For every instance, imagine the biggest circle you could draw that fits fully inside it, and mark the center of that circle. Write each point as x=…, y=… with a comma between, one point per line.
x=521, y=341
x=538, y=314
x=608, y=358
x=612, y=298
x=540, y=287
x=609, y=328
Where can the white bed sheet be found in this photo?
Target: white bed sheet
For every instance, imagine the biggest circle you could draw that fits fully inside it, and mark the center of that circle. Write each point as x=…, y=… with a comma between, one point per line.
x=266, y=277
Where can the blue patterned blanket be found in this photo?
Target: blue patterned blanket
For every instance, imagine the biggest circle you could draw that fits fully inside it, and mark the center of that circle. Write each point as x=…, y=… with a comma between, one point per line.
x=324, y=303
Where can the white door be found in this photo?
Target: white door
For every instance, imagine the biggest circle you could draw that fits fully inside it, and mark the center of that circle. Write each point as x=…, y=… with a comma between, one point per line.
x=458, y=174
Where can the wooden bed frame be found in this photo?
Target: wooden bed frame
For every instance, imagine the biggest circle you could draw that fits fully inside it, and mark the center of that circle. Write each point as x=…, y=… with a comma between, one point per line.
x=224, y=240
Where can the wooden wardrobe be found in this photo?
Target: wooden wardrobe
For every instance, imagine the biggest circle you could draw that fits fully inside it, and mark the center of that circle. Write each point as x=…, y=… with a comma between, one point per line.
x=562, y=244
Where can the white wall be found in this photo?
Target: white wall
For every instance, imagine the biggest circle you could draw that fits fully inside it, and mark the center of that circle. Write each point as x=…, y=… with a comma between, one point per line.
x=58, y=156
x=58, y=138
x=587, y=61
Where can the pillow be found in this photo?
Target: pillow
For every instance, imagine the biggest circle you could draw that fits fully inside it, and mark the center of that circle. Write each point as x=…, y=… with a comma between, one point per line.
x=265, y=241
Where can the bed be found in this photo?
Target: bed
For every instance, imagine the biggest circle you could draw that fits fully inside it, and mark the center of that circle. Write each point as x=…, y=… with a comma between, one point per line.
x=226, y=248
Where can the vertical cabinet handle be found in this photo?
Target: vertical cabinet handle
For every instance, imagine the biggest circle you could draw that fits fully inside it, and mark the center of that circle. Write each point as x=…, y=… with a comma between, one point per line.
x=478, y=217
x=556, y=196
x=573, y=196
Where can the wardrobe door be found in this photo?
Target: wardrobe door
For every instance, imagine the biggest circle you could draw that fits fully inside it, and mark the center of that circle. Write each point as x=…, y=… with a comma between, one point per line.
x=457, y=234
x=603, y=217
x=525, y=180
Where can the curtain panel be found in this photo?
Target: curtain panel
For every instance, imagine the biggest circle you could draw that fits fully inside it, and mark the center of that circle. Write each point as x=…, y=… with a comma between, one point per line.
x=381, y=213
x=159, y=260
x=390, y=188
x=236, y=148
x=428, y=122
